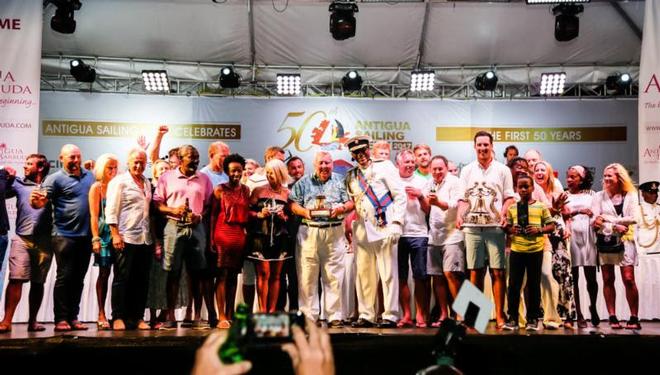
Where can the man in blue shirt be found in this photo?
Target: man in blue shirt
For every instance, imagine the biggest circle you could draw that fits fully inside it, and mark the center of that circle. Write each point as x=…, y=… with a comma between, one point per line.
x=321, y=200
x=67, y=190
x=30, y=255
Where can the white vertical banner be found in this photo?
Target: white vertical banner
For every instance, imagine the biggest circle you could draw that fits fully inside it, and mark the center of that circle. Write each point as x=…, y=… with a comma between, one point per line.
x=20, y=71
x=649, y=96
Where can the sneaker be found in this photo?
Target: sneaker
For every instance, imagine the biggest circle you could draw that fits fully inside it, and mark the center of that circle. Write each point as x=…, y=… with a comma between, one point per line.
x=511, y=325
x=532, y=325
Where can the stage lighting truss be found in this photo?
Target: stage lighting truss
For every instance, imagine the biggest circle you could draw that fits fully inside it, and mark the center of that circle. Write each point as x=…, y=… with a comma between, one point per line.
x=81, y=71
x=556, y=1
x=486, y=81
x=288, y=84
x=63, y=21
x=156, y=81
x=351, y=81
x=342, y=19
x=229, y=79
x=422, y=80
x=618, y=83
x=552, y=84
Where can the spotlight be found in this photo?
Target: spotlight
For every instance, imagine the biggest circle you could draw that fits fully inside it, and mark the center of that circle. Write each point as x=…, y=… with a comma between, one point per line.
x=486, y=81
x=422, y=80
x=156, y=81
x=63, y=21
x=342, y=19
x=552, y=84
x=229, y=79
x=618, y=83
x=351, y=81
x=81, y=71
x=556, y=1
x=567, y=24
x=288, y=84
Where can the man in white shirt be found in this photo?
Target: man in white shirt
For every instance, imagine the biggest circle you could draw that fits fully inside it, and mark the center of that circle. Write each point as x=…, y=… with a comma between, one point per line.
x=380, y=202
x=488, y=192
x=413, y=243
x=446, y=247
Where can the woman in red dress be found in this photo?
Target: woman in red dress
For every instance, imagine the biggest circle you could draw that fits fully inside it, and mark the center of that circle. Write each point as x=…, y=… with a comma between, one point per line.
x=228, y=223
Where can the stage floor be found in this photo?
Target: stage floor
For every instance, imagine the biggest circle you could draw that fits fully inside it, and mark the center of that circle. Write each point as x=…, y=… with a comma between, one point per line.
x=357, y=351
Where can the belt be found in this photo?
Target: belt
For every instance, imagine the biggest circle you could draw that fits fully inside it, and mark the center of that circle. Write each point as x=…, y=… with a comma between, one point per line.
x=322, y=225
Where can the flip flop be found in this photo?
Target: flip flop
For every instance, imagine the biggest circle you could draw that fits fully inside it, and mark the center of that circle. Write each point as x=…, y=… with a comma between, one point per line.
x=62, y=326
x=76, y=325
x=421, y=325
x=404, y=323
x=224, y=324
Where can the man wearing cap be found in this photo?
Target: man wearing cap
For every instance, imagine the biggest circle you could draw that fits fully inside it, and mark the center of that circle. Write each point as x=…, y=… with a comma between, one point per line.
x=321, y=200
x=648, y=219
x=380, y=202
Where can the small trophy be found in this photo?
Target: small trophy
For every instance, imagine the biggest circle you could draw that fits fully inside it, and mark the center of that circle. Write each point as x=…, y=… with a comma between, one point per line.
x=319, y=210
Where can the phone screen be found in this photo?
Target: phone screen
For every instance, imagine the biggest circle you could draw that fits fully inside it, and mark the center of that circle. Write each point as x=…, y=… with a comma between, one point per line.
x=277, y=325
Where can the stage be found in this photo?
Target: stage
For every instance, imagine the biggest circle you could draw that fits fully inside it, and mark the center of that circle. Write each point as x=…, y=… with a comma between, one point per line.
x=357, y=351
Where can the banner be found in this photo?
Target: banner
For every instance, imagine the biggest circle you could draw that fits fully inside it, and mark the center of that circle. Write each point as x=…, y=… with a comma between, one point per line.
x=20, y=71
x=649, y=96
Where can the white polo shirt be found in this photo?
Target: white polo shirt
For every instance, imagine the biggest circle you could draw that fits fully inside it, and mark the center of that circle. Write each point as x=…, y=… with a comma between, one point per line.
x=414, y=218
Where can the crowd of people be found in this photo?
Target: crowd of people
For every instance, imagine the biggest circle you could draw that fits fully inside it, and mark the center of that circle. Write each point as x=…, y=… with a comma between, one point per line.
x=339, y=248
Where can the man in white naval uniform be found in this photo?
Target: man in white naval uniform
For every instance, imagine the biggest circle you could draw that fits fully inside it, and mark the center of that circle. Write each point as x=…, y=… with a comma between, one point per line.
x=380, y=203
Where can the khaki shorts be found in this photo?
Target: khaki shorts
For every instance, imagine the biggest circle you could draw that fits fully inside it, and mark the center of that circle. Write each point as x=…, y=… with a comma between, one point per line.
x=30, y=258
x=446, y=258
x=484, y=247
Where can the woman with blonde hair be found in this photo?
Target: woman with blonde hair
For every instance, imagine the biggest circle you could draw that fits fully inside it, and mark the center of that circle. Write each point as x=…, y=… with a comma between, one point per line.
x=270, y=238
x=105, y=169
x=613, y=217
x=557, y=279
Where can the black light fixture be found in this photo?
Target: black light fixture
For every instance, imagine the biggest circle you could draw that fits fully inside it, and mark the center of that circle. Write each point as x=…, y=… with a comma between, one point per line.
x=351, y=81
x=486, y=81
x=81, y=71
x=229, y=79
x=556, y=1
x=342, y=19
x=63, y=21
x=567, y=23
x=618, y=83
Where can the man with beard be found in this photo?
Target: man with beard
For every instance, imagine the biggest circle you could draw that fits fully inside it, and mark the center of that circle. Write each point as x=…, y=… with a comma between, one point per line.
x=67, y=190
x=30, y=255
x=423, y=160
x=183, y=195
x=321, y=200
x=380, y=201
x=488, y=192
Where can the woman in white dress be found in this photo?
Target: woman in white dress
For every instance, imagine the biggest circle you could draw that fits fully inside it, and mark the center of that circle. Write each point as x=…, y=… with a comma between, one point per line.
x=614, y=211
x=582, y=238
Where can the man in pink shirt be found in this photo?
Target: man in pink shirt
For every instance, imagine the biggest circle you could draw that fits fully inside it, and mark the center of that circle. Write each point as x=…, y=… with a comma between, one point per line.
x=183, y=195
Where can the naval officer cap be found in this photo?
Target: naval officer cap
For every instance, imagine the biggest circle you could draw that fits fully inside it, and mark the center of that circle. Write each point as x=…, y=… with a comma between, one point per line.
x=649, y=187
x=358, y=143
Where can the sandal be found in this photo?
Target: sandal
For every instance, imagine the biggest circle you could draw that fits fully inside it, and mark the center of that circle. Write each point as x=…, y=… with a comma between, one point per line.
x=76, y=325
x=36, y=327
x=614, y=322
x=421, y=324
x=404, y=323
x=143, y=326
x=633, y=323
x=224, y=324
x=103, y=325
x=62, y=326
x=581, y=323
x=118, y=325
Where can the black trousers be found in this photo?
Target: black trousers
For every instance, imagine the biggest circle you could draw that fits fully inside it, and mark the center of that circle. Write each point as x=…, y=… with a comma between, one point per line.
x=72, y=256
x=131, y=282
x=519, y=263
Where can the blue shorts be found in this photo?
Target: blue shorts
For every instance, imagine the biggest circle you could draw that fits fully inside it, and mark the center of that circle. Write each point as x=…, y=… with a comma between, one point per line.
x=414, y=248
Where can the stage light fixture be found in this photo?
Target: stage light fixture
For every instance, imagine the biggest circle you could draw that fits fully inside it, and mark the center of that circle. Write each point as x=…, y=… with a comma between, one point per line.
x=567, y=23
x=81, y=71
x=552, y=84
x=618, y=83
x=486, y=81
x=288, y=84
x=156, y=81
x=63, y=21
x=351, y=81
x=229, y=79
x=422, y=80
x=556, y=1
x=342, y=19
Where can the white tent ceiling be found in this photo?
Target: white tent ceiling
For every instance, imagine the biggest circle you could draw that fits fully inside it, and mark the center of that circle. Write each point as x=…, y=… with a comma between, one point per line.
x=191, y=38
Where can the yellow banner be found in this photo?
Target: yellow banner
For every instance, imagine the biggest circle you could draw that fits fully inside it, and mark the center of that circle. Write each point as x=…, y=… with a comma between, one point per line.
x=581, y=134
x=66, y=128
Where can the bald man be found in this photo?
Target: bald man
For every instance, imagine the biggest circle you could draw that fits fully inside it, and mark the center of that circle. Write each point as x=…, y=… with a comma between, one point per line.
x=67, y=191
